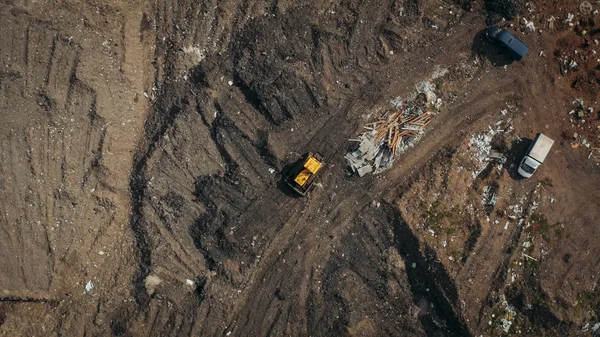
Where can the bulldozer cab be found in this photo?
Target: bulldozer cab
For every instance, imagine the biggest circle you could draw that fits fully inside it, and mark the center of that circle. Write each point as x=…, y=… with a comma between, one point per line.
x=301, y=178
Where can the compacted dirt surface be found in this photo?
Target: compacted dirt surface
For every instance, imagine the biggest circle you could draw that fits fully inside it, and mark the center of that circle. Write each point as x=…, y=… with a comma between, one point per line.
x=143, y=147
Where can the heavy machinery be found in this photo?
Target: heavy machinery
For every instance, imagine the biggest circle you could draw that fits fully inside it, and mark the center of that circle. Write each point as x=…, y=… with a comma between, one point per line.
x=302, y=176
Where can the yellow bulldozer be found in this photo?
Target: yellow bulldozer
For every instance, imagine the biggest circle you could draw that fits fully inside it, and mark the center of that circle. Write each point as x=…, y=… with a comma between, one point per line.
x=301, y=178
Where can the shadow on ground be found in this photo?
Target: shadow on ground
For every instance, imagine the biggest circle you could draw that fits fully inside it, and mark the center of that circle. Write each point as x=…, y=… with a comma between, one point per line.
x=497, y=55
x=517, y=151
x=432, y=288
x=282, y=185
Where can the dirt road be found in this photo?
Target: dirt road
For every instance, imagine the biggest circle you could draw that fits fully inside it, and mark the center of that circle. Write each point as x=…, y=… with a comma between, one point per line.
x=142, y=147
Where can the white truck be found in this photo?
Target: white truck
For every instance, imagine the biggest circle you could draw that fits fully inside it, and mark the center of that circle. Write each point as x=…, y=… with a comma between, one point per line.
x=537, y=152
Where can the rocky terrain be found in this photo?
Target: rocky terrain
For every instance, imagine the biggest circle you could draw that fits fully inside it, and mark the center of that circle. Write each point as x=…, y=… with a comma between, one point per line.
x=143, y=147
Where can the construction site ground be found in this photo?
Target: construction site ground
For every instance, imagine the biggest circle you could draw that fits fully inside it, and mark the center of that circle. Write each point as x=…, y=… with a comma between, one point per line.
x=143, y=147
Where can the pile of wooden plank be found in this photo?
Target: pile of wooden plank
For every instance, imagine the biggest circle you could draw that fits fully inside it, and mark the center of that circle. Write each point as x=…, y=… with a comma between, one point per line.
x=396, y=128
x=391, y=134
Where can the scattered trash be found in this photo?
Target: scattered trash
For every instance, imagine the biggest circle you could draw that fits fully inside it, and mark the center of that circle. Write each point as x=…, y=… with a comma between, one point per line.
x=570, y=18
x=580, y=110
x=89, y=286
x=550, y=22
x=596, y=327
x=414, y=265
x=509, y=315
x=490, y=196
x=480, y=144
x=230, y=83
x=189, y=282
x=529, y=24
x=271, y=170
x=101, y=252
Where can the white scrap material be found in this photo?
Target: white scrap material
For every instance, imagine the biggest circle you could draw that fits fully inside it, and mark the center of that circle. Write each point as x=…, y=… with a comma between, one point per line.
x=271, y=170
x=414, y=265
x=89, y=286
x=230, y=83
x=529, y=24
x=530, y=257
x=570, y=18
x=507, y=321
x=189, y=282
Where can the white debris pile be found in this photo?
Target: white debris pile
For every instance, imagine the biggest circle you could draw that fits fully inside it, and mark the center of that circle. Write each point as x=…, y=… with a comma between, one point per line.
x=481, y=146
x=529, y=24
x=507, y=320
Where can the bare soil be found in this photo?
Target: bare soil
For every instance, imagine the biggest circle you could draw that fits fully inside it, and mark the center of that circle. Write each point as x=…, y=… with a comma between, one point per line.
x=142, y=146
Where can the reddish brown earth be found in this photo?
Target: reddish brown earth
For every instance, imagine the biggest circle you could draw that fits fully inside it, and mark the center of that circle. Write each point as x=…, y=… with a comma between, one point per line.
x=142, y=145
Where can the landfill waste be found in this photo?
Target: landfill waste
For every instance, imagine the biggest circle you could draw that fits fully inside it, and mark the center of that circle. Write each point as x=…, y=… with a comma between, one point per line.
x=395, y=130
x=89, y=286
x=391, y=134
x=509, y=315
x=480, y=145
x=529, y=24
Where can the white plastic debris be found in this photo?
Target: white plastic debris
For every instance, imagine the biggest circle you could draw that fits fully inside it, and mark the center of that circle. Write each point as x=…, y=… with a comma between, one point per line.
x=189, y=282
x=529, y=24
x=101, y=252
x=230, y=83
x=89, y=286
x=271, y=170
x=570, y=18
x=414, y=265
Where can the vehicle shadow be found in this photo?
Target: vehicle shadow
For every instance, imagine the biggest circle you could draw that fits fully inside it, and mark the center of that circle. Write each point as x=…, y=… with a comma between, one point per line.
x=485, y=48
x=282, y=184
x=515, y=154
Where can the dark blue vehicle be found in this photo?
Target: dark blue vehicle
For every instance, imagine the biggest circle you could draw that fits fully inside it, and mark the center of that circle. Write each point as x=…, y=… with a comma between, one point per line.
x=515, y=47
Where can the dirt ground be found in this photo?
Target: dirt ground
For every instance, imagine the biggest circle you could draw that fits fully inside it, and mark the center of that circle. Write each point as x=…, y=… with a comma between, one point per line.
x=142, y=146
